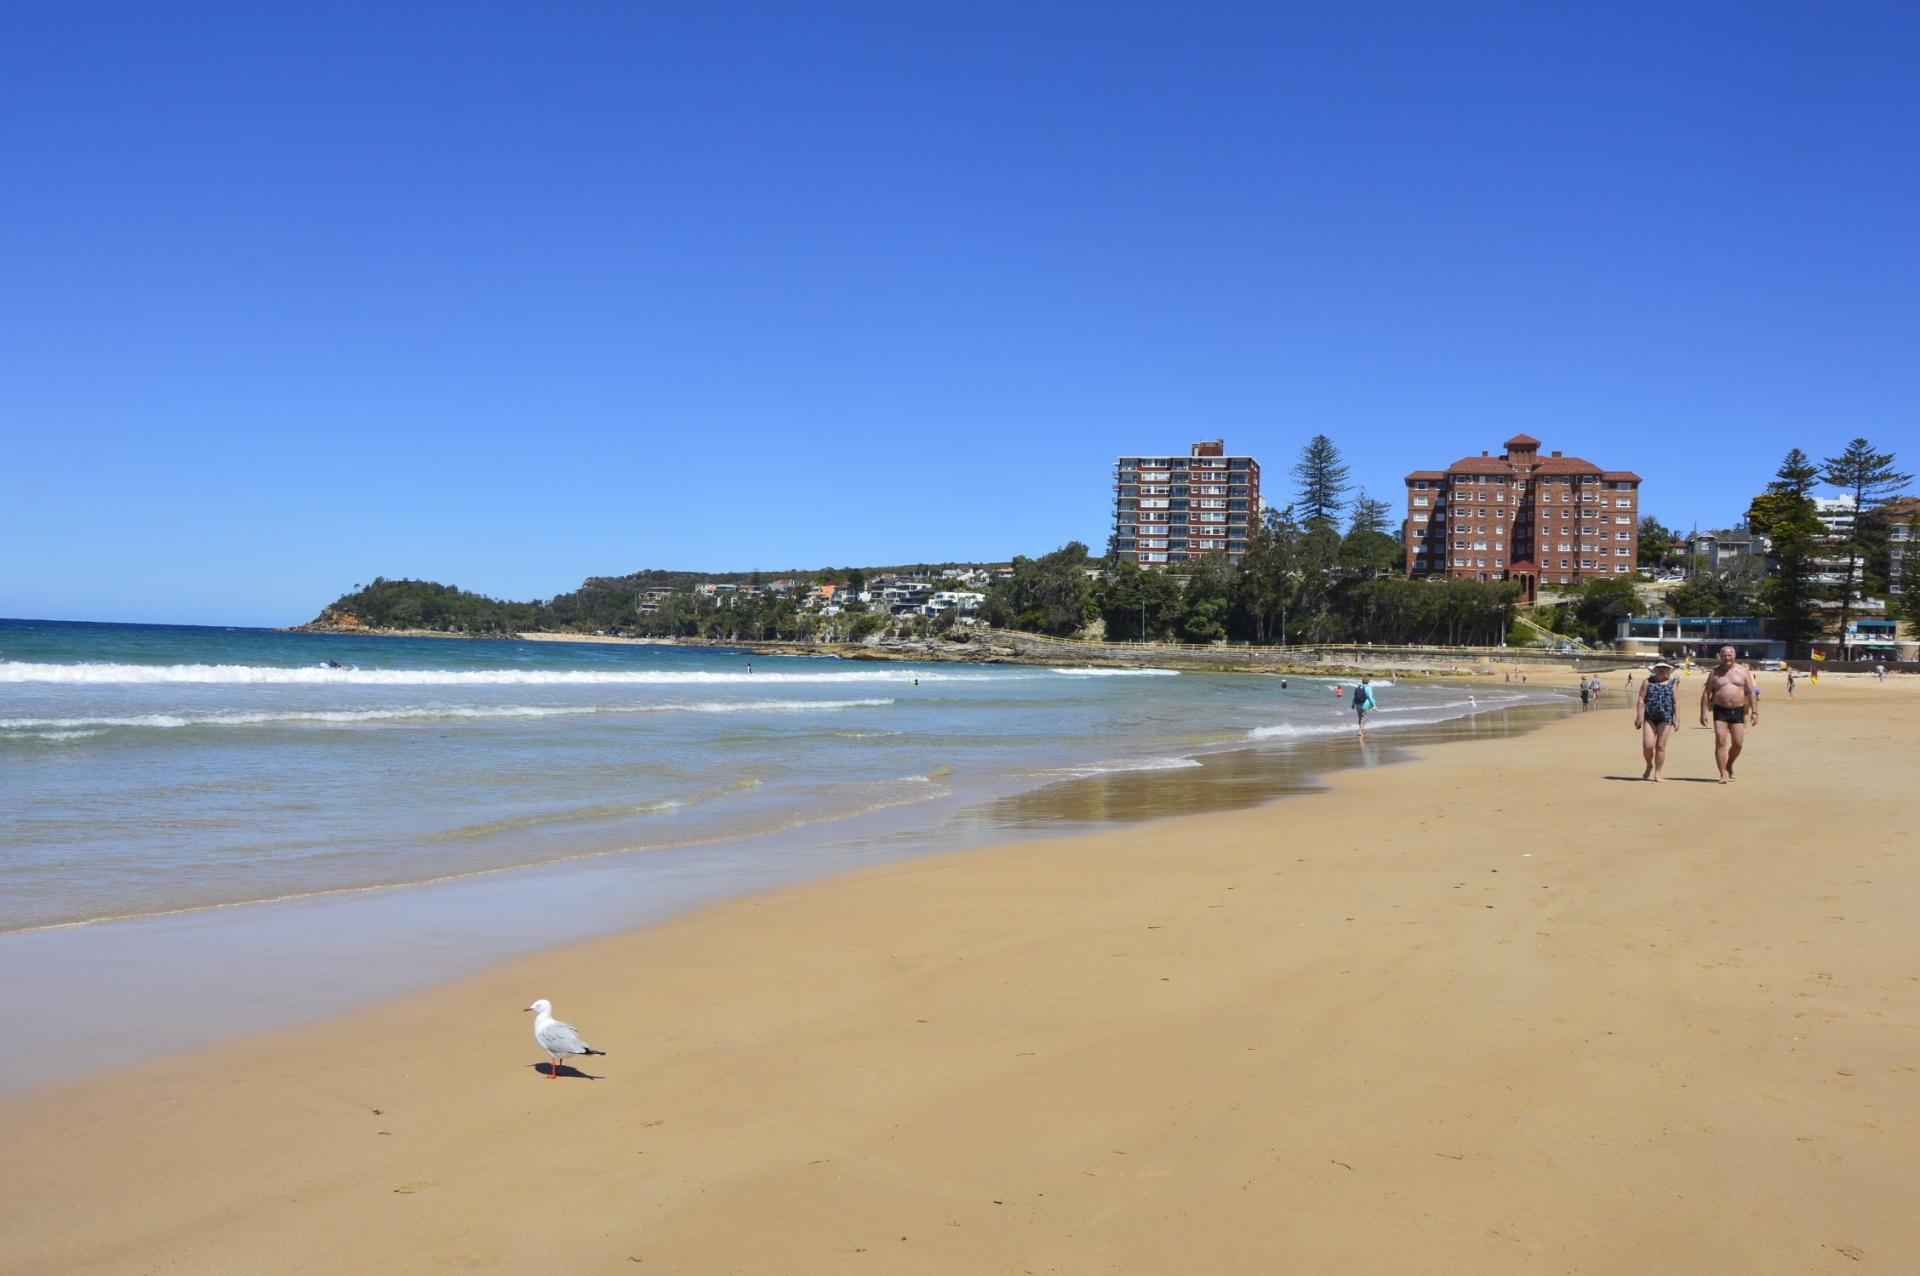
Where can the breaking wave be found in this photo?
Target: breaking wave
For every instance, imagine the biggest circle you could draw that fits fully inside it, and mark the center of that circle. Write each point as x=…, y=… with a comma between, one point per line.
x=25, y=671
x=49, y=727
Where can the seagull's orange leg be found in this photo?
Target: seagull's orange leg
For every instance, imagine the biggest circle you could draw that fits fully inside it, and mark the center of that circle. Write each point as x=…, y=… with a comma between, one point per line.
x=553, y=1069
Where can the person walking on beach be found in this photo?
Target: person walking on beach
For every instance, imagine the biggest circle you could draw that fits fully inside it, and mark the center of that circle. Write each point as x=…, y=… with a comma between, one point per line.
x=1729, y=693
x=1586, y=694
x=1653, y=716
x=1793, y=676
x=1363, y=704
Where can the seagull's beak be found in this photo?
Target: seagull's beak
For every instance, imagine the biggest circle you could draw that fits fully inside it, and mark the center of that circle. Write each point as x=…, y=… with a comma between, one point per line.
x=525, y=1009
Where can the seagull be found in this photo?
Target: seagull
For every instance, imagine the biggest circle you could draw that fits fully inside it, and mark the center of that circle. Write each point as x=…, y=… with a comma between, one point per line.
x=555, y=1037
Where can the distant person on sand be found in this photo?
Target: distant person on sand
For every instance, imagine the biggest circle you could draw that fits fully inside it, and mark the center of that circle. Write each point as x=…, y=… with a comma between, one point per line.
x=1880, y=672
x=1363, y=703
x=1729, y=692
x=1653, y=715
x=1586, y=694
x=1793, y=676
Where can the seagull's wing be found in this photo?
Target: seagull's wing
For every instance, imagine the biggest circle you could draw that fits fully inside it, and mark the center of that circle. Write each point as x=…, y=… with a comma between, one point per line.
x=562, y=1038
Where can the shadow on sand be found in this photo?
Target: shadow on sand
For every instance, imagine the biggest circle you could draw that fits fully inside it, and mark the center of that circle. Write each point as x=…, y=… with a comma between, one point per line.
x=1671, y=779
x=544, y=1069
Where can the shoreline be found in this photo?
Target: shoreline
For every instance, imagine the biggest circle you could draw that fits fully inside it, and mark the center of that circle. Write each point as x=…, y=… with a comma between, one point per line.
x=1494, y=1011
x=1010, y=647
x=478, y=924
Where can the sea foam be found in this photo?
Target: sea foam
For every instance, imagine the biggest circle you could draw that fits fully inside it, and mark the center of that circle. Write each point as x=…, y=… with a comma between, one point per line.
x=25, y=671
x=348, y=717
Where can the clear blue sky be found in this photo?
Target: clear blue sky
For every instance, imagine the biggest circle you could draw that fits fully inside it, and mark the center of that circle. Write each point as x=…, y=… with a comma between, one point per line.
x=506, y=294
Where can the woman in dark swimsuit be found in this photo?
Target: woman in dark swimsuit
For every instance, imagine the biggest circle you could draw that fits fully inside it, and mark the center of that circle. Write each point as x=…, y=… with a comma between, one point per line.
x=1653, y=713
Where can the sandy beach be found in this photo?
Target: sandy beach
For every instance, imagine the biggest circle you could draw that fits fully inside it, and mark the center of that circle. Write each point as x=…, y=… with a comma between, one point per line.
x=1504, y=1008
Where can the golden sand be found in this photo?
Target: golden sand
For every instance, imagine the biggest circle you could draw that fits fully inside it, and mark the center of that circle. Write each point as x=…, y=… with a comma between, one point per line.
x=1496, y=1010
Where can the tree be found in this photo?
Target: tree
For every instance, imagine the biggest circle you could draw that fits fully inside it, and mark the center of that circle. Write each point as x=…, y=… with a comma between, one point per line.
x=1601, y=605
x=1138, y=604
x=1049, y=595
x=1367, y=553
x=1654, y=539
x=1785, y=515
x=1269, y=575
x=1869, y=477
x=1910, y=575
x=1323, y=483
x=1727, y=593
x=1209, y=599
x=1370, y=515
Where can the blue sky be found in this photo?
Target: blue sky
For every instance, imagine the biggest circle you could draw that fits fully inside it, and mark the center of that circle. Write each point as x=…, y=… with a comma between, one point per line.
x=506, y=295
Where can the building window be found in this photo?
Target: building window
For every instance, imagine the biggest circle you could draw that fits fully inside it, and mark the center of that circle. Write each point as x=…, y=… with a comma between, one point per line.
x=1419, y=502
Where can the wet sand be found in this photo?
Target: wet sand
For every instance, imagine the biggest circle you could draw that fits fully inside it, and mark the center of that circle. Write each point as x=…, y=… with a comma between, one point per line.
x=128, y=985
x=1503, y=1009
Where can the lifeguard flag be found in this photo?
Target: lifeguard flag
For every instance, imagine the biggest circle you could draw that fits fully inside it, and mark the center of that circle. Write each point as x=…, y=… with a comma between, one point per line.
x=1819, y=655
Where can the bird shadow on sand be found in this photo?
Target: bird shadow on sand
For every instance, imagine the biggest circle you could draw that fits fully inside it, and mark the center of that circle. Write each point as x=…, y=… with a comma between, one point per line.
x=544, y=1069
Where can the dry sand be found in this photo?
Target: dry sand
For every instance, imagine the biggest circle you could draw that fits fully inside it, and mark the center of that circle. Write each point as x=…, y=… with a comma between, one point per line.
x=1497, y=1010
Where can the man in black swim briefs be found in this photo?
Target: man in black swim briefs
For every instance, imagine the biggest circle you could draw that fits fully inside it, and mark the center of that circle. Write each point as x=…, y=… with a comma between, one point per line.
x=1731, y=695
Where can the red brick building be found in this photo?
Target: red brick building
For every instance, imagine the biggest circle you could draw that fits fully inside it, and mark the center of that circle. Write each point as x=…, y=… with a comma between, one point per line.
x=1552, y=520
x=1170, y=510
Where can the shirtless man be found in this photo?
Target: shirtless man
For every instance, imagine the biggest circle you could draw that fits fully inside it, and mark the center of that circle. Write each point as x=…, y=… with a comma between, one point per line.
x=1729, y=693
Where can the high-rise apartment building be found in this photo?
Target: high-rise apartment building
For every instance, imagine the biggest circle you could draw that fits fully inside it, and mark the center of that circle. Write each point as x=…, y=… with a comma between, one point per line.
x=1552, y=520
x=1176, y=509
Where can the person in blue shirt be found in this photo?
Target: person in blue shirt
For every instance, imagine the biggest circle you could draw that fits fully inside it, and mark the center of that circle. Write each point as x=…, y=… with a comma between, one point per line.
x=1363, y=703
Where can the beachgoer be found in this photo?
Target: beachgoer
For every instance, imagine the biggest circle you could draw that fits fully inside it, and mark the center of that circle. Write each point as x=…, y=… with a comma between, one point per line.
x=1595, y=685
x=1880, y=672
x=1363, y=703
x=1653, y=715
x=1729, y=694
x=1586, y=694
x=1283, y=684
x=1793, y=676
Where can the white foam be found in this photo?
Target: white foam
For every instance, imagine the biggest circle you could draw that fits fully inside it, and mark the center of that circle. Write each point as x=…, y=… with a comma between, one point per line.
x=1296, y=730
x=1117, y=673
x=170, y=721
x=1129, y=764
x=25, y=671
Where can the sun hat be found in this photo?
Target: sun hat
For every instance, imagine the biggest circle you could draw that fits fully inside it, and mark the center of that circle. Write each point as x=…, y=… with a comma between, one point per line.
x=1661, y=664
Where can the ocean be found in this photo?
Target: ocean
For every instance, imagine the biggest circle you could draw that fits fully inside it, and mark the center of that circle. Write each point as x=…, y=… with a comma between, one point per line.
x=152, y=769
x=206, y=831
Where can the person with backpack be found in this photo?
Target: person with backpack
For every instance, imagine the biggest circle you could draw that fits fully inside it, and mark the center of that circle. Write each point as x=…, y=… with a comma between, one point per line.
x=1363, y=703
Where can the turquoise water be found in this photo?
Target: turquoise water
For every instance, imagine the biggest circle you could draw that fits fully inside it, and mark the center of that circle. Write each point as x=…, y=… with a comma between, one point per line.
x=153, y=769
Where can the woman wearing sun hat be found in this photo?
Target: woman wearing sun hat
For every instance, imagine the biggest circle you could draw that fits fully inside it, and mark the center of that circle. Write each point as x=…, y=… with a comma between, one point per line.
x=1653, y=714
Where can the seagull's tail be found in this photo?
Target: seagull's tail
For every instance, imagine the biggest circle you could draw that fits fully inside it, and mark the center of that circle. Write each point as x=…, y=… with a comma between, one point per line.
x=591, y=1050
